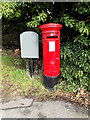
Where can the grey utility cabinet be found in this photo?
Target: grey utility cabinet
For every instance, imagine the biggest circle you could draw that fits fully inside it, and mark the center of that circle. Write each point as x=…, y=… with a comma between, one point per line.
x=29, y=44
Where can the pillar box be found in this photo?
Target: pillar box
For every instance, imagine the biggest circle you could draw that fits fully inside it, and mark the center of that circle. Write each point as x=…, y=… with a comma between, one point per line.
x=51, y=53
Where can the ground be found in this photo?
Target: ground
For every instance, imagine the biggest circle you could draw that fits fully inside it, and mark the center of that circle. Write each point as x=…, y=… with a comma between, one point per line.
x=17, y=82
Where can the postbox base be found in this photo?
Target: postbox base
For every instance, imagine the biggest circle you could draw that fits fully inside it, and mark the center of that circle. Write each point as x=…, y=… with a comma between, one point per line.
x=50, y=81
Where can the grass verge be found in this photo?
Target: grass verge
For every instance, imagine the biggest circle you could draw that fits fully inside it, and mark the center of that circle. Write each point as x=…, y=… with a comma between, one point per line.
x=15, y=81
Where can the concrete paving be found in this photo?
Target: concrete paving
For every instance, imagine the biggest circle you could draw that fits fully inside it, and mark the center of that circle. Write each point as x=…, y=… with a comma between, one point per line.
x=28, y=108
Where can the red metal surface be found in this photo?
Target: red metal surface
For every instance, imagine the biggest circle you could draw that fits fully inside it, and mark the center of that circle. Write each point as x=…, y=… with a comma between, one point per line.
x=51, y=59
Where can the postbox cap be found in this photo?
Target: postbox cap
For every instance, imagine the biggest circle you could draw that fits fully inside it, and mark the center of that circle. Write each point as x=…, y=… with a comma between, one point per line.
x=50, y=26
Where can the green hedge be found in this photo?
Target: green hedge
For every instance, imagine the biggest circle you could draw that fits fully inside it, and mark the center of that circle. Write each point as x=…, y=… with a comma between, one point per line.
x=75, y=65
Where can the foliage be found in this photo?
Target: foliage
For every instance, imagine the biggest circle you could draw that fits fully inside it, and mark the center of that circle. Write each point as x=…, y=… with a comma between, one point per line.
x=75, y=65
x=79, y=26
x=36, y=20
x=12, y=10
x=9, y=10
x=82, y=8
x=74, y=35
x=75, y=54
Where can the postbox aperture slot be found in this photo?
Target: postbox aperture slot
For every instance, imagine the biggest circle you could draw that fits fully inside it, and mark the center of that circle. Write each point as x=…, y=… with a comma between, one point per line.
x=51, y=37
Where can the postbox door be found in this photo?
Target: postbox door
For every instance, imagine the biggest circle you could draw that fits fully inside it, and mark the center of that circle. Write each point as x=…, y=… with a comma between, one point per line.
x=51, y=48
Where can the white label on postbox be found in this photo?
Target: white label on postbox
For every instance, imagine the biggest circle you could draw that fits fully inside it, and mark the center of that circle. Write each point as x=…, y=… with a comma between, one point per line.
x=51, y=46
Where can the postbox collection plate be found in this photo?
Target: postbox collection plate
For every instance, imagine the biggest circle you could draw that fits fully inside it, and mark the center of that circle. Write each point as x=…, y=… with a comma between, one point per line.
x=29, y=45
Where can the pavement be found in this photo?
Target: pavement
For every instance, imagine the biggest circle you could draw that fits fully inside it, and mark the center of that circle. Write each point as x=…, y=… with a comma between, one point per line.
x=28, y=108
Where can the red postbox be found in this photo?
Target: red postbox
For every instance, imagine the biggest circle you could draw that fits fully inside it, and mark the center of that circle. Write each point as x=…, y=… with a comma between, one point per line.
x=51, y=53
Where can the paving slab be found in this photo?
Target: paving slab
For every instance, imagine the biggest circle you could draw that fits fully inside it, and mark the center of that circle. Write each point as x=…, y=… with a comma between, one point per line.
x=17, y=104
x=27, y=108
